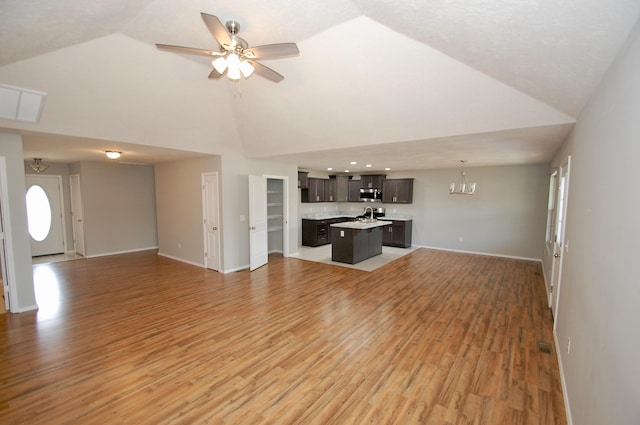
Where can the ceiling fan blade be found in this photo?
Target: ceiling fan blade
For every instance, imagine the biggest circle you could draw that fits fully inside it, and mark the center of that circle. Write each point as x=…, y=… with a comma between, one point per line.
x=214, y=74
x=266, y=72
x=272, y=51
x=190, y=50
x=217, y=30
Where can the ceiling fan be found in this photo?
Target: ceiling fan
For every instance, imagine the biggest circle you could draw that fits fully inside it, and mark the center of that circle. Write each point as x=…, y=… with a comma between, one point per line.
x=236, y=58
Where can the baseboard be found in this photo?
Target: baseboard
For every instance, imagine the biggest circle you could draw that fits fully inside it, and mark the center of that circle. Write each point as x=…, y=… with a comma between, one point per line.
x=565, y=397
x=120, y=252
x=25, y=309
x=182, y=260
x=490, y=254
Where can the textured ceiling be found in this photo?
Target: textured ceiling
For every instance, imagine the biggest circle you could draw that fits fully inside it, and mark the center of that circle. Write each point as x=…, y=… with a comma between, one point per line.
x=404, y=84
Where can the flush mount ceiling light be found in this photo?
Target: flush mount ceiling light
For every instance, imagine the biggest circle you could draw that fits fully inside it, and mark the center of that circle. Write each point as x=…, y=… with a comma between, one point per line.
x=113, y=154
x=462, y=187
x=237, y=59
x=38, y=166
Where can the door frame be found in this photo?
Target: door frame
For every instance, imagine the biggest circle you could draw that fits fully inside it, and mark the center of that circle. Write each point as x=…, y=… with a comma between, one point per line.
x=74, y=213
x=218, y=262
x=8, y=254
x=559, y=246
x=285, y=211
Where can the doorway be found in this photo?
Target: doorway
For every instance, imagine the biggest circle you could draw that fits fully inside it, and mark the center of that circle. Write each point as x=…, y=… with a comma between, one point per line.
x=268, y=218
x=77, y=215
x=6, y=252
x=45, y=214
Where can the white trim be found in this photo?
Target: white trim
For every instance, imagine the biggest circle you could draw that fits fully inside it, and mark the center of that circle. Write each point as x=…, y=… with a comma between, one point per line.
x=24, y=309
x=182, y=260
x=491, y=254
x=565, y=394
x=105, y=254
x=236, y=269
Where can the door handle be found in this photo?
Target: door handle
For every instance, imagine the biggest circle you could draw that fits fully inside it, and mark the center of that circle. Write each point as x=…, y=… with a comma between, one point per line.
x=556, y=255
x=252, y=227
x=214, y=228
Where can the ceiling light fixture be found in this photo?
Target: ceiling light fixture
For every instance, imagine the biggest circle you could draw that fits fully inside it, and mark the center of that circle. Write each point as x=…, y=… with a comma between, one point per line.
x=113, y=154
x=353, y=163
x=368, y=165
x=462, y=188
x=38, y=166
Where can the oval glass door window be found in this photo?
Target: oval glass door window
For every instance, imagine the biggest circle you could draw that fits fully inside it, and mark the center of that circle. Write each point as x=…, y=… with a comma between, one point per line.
x=38, y=213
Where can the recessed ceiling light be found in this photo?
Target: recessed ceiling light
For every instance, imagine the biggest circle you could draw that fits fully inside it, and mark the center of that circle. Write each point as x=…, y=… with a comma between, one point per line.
x=329, y=169
x=346, y=171
x=368, y=165
x=353, y=163
x=387, y=169
x=113, y=154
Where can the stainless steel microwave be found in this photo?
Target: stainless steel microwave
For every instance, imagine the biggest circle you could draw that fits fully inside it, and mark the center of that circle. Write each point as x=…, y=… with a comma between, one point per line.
x=370, y=195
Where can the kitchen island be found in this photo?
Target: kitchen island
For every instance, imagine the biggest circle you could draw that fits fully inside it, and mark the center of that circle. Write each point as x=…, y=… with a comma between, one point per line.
x=355, y=241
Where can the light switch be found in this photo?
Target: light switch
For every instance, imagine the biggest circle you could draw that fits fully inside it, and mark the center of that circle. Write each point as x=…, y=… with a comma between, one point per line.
x=342, y=233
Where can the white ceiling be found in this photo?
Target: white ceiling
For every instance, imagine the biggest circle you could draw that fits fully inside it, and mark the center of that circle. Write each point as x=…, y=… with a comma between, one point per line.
x=401, y=84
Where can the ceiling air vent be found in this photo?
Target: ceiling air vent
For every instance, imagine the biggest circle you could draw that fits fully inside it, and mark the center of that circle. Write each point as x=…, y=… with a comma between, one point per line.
x=20, y=104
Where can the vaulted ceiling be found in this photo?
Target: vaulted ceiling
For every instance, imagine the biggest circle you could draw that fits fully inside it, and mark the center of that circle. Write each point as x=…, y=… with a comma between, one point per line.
x=400, y=84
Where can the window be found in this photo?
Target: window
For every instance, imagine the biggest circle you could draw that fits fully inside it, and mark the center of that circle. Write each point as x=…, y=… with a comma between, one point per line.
x=38, y=213
x=551, y=208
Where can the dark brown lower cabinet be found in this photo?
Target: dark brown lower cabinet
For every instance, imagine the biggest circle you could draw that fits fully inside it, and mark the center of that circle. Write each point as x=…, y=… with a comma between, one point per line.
x=316, y=232
x=398, y=233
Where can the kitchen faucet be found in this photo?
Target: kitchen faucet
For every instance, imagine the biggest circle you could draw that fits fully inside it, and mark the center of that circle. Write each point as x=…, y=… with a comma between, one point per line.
x=365, y=212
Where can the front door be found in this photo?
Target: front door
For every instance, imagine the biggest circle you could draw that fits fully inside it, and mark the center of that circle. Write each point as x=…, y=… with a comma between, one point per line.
x=559, y=245
x=258, y=239
x=45, y=214
x=211, y=220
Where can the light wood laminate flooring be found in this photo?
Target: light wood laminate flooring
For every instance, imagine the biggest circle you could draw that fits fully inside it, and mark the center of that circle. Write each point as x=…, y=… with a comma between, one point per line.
x=431, y=338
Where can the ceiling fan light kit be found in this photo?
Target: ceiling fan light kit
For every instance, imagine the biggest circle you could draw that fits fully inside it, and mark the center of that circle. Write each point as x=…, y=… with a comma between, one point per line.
x=237, y=59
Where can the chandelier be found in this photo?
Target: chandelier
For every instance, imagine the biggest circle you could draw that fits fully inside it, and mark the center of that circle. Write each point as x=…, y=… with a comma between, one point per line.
x=462, y=187
x=38, y=166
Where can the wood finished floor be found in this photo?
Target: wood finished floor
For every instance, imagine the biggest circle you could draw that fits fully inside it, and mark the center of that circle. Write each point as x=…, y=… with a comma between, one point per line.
x=432, y=338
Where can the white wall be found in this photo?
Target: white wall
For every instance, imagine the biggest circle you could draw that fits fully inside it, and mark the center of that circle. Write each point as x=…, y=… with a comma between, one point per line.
x=506, y=216
x=599, y=306
x=20, y=257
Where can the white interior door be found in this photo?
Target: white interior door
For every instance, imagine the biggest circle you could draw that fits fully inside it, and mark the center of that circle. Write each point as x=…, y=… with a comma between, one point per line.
x=76, y=214
x=45, y=214
x=559, y=243
x=211, y=220
x=258, y=237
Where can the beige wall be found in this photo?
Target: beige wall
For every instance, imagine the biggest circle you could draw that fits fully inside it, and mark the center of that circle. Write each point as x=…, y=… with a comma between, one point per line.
x=600, y=287
x=179, y=207
x=119, y=207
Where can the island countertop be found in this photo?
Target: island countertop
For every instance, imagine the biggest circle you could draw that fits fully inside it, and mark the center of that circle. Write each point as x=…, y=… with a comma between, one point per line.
x=361, y=225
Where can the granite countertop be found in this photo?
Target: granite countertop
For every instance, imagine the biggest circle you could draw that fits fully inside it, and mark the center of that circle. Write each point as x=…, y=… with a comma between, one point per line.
x=361, y=225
